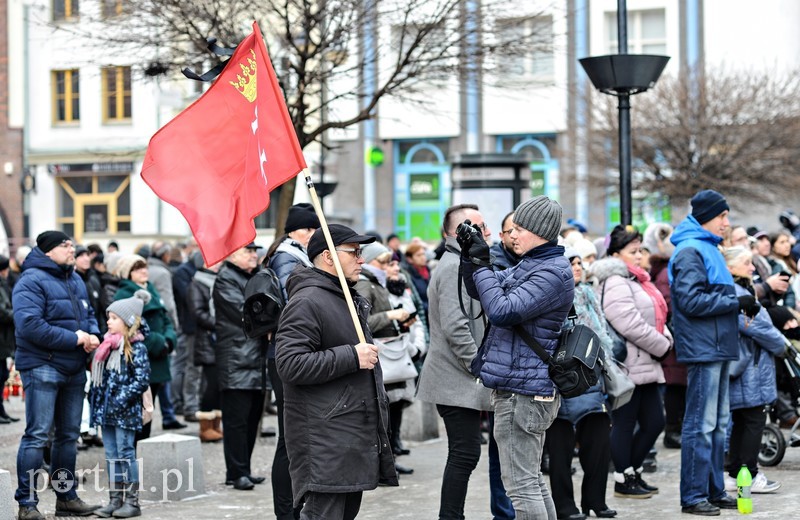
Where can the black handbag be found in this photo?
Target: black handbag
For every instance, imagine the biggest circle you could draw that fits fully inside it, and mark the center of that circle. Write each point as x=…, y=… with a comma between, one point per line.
x=573, y=367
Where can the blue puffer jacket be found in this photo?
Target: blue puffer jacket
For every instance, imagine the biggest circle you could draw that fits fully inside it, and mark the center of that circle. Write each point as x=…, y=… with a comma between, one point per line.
x=704, y=303
x=537, y=293
x=593, y=401
x=756, y=386
x=50, y=304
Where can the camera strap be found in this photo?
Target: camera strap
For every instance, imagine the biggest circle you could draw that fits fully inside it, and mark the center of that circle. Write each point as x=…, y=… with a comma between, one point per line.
x=461, y=296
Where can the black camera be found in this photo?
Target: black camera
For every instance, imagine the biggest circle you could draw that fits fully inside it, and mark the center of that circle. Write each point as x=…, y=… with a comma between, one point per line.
x=466, y=233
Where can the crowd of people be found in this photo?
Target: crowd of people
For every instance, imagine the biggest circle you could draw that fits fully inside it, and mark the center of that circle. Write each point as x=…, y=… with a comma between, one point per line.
x=695, y=315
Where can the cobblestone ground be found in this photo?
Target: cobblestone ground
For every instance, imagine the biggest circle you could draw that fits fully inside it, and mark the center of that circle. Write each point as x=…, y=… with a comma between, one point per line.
x=418, y=494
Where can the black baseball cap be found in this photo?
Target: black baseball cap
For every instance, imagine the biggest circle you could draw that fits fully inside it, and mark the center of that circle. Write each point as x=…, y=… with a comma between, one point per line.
x=339, y=234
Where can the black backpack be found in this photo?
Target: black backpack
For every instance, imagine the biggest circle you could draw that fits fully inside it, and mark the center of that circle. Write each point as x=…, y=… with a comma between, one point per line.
x=263, y=304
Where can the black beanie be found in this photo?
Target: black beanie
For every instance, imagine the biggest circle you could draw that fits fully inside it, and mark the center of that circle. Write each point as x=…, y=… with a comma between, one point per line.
x=707, y=205
x=3, y=262
x=50, y=239
x=301, y=216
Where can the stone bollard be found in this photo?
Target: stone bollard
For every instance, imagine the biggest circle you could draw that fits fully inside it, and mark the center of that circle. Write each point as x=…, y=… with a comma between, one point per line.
x=7, y=503
x=172, y=467
x=420, y=422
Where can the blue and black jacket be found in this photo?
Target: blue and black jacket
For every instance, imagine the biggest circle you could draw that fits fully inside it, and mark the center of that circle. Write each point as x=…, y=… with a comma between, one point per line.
x=704, y=303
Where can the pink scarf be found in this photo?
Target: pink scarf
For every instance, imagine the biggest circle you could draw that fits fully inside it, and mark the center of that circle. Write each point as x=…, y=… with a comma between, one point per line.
x=111, y=341
x=659, y=304
x=109, y=355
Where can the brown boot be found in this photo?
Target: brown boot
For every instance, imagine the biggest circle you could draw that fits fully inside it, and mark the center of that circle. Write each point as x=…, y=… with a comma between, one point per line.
x=218, y=421
x=207, y=431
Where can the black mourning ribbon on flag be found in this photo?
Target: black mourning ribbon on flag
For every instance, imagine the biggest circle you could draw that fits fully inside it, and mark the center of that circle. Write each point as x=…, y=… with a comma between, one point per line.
x=214, y=72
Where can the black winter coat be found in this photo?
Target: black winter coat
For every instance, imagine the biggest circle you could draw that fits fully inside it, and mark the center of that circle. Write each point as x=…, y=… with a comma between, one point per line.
x=181, y=279
x=336, y=415
x=95, y=291
x=241, y=361
x=6, y=322
x=200, y=309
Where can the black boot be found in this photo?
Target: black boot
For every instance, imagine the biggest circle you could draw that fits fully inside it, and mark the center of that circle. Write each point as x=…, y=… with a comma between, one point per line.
x=74, y=507
x=130, y=507
x=672, y=440
x=115, y=495
x=644, y=485
x=629, y=488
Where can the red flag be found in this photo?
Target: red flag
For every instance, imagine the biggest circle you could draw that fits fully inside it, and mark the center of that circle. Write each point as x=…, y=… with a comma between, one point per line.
x=217, y=161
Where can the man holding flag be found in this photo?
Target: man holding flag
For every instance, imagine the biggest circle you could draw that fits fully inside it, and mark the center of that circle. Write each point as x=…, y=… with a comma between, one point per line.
x=336, y=410
x=217, y=162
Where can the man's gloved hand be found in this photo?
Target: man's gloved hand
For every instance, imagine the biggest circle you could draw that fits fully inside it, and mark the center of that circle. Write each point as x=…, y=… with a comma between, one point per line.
x=749, y=305
x=464, y=233
x=478, y=251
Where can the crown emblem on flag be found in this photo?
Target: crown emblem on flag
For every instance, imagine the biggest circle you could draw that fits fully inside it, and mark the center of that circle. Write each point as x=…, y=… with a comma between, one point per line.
x=246, y=81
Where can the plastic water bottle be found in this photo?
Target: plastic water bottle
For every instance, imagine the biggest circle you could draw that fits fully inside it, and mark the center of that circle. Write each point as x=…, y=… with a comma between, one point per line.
x=743, y=481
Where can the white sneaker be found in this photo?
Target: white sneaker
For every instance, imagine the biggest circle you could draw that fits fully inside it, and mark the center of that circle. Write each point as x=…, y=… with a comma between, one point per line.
x=730, y=483
x=763, y=485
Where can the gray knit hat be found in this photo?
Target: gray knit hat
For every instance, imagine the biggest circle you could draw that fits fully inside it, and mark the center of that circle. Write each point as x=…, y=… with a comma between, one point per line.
x=130, y=308
x=372, y=251
x=541, y=216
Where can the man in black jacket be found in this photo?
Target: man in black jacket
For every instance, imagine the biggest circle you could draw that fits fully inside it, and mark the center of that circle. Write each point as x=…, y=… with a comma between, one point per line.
x=241, y=365
x=336, y=410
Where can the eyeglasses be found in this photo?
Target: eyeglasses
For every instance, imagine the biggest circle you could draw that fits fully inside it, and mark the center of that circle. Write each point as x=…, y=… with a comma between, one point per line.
x=482, y=226
x=355, y=252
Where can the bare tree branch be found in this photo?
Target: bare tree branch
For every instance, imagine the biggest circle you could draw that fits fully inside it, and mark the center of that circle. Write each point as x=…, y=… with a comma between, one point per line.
x=736, y=132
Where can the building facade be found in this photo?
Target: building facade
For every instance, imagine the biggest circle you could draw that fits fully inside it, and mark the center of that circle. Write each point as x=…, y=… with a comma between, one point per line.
x=87, y=123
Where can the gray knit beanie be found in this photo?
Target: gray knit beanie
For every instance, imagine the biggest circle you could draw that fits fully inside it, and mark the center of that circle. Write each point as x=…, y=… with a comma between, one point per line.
x=130, y=308
x=541, y=216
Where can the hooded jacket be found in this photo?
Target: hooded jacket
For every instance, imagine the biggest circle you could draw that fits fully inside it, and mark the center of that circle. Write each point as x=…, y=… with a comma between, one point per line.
x=537, y=293
x=704, y=302
x=371, y=289
x=756, y=385
x=630, y=310
x=336, y=415
x=50, y=304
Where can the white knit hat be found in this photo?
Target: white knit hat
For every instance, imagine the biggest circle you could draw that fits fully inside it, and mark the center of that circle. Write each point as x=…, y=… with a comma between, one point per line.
x=125, y=265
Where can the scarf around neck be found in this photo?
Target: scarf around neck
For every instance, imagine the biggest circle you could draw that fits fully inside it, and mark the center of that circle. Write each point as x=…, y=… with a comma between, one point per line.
x=109, y=355
x=659, y=304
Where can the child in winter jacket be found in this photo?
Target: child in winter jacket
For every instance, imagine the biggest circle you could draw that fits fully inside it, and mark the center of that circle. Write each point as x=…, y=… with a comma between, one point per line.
x=120, y=375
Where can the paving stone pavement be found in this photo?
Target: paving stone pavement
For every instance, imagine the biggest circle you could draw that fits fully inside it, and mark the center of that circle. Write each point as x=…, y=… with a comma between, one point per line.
x=417, y=497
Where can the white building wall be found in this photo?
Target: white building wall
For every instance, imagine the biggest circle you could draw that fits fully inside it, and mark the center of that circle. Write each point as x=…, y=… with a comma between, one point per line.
x=91, y=140
x=741, y=34
x=535, y=108
x=434, y=114
x=599, y=34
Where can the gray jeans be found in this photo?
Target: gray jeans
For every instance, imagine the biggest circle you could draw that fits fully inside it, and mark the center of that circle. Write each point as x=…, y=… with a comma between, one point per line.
x=520, y=422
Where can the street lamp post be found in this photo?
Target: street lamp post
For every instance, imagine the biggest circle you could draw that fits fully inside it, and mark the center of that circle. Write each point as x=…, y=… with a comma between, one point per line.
x=623, y=75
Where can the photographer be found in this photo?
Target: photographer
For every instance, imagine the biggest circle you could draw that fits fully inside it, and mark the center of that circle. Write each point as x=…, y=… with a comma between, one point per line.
x=536, y=294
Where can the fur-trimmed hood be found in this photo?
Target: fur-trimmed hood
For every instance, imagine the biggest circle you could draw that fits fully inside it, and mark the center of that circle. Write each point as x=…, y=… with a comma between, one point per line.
x=603, y=269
